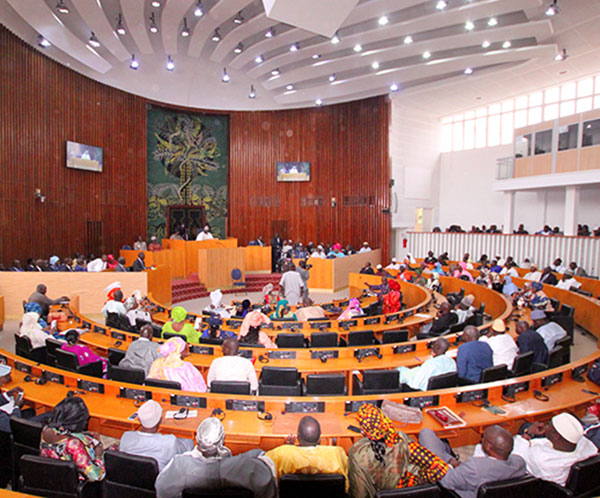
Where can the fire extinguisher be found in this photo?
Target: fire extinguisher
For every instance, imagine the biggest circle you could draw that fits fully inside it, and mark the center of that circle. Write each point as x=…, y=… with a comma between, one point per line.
x=404, y=243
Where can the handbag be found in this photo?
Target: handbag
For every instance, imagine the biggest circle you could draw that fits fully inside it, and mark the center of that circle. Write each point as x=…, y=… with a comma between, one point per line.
x=402, y=413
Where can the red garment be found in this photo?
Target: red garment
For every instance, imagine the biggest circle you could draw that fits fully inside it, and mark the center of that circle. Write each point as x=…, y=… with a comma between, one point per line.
x=392, y=302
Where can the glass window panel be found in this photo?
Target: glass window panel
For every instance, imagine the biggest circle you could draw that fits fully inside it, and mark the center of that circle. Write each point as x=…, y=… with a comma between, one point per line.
x=469, y=134
x=550, y=112
x=597, y=84
x=567, y=108
x=509, y=105
x=521, y=118
x=447, y=119
x=470, y=115
x=568, y=91
x=567, y=137
x=543, y=142
x=597, y=102
x=522, y=102
x=493, y=131
x=585, y=87
x=480, y=132
x=523, y=146
x=457, y=136
x=535, y=115
x=458, y=117
x=482, y=111
x=495, y=109
x=507, y=128
x=591, y=133
x=447, y=138
x=535, y=99
x=584, y=105
x=551, y=95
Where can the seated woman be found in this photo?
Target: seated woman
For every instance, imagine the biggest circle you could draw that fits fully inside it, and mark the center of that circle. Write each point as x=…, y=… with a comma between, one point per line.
x=178, y=325
x=31, y=328
x=214, y=331
x=283, y=311
x=352, y=310
x=66, y=438
x=243, y=309
x=509, y=288
x=250, y=332
x=171, y=366
x=539, y=300
x=392, y=301
x=268, y=297
x=84, y=354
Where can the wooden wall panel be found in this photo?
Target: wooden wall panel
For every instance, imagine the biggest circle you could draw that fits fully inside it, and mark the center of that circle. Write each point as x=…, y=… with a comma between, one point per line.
x=43, y=104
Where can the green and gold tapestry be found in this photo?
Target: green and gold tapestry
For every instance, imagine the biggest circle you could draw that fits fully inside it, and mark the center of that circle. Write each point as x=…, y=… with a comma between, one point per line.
x=188, y=160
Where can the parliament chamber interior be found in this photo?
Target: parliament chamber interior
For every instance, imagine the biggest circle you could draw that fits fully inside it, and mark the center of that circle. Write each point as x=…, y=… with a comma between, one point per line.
x=290, y=247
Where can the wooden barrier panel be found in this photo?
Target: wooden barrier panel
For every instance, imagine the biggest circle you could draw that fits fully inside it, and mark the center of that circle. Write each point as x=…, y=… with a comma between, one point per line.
x=257, y=259
x=215, y=266
x=175, y=259
x=159, y=283
x=190, y=249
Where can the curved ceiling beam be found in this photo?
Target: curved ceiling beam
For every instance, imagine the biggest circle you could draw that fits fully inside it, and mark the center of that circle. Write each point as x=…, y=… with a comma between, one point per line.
x=133, y=12
x=171, y=16
x=250, y=27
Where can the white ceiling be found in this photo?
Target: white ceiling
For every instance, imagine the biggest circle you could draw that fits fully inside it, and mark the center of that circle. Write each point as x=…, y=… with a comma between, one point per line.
x=437, y=86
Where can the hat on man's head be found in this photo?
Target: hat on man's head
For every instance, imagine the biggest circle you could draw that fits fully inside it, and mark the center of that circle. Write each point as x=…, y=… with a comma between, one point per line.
x=568, y=427
x=468, y=300
x=379, y=267
x=5, y=369
x=365, y=243
x=150, y=414
x=210, y=434
x=538, y=315
x=394, y=260
x=499, y=325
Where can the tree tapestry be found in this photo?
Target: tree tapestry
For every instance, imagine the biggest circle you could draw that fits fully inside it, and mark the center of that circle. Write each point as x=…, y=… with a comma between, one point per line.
x=188, y=160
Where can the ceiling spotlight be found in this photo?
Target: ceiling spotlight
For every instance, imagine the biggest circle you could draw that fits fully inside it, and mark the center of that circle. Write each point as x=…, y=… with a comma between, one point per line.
x=335, y=39
x=185, y=32
x=552, y=9
x=493, y=21
x=170, y=64
x=375, y=65
x=318, y=102
x=506, y=44
x=259, y=59
x=93, y=41
x=252, y=94
x=239, y=48
x=270, y=33
x=155, y=3
x=426, y=54
x=469, y=26
x=239, y=19
x=153, y=26
x=225, y=78
x=120, y=29
x=294, y=47
x=394, y=87
x=275, y=72
x=316, y=56
x=198, y=11
x=332, y=78
x=216, y=36
x=62, y=8
x=42, y=42
x=408, y=40
x=485, y=44
x=468, y=71
x=289, y=87
x=383, y=20
x=441, y=5
x=562, y=55
x=134, y=64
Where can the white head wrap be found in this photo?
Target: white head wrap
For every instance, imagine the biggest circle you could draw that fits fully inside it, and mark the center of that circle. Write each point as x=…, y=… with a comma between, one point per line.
x=210, y=435
x=216, y=297
x=568, y=427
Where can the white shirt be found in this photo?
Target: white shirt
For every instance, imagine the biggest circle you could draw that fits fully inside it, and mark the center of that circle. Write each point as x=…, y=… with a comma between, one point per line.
x=204, y=235
x=138, y=314
x=318, y=254
x=292, y=284
x=568, y=284
x=558, y=269
x=534, y=276
x=511, y=273
x=551, y=332
x=364, y=249
x=96, y=265
x=232, y=368
x=114, y=307
x=393, y=266
x=503, y=347
x=463, y=315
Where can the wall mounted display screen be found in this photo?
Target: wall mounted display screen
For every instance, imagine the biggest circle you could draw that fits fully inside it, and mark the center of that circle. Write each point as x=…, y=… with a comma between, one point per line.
x=296, y=171
x=81, y=156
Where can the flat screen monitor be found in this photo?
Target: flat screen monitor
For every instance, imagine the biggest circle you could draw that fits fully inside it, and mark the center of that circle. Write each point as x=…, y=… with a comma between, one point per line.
x=295, y=171
x=81, y=156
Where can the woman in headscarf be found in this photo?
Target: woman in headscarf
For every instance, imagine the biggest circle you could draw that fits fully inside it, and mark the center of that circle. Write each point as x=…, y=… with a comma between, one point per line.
x=36, y=308
x=66, y=438
x=243, y=309
x=386, y=458
x=352, y=310
x=283, y=311
x=392, y=301
x=214, y=330
x=266, y=292
x=539, y=300
x=461, y=271
x=250, y=332
x=437, y=268
x=171, y=366
x=84, y=354
x=509, y=288
x=111, y=262
x=31, y=328
x=178, y=325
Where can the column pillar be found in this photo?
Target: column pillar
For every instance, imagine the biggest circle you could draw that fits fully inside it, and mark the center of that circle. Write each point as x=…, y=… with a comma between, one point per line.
x=509, y=211
x=571, y=201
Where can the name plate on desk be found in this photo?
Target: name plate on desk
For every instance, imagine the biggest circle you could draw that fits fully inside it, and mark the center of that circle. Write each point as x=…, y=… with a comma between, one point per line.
x=353, y=406
x=346, y=324
x=22, y=367
x=366, y=352
x=320, y=325
x=245, y=353
x=404, y=348
x=512, y=389
x=192, y=401
x=93, y=387
x=202, y=350
x=422, y=401
x=243, y=405
x=288, y=325
x=86, y=325
x=319, y=355
x=136, y=394
x=99, y=330
x=118, y=335
x=282, y=355
x=53, y=377
x=372, y=321
x=234, y=324
x=343, y=304
x=579, y=372
x=409, y=313
x=550, y=380
x=77, y=319
x=471, y=396
x=392, y=318
x=305, y=407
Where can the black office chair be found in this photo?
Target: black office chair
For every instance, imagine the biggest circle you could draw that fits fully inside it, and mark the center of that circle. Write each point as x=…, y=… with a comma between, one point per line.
x=457, y=327
x=303, y=485
x=130, y=375
x=394, y=336
x=24, y=348
x=211, y=493
x=119, y=322
x=69, y=361
x=114, y=355
x=565, y=344
x=520, y=487
x=492, y=374
x=325, y=385
x=567, y=310
x=165, y=384
x=522, y=365
x=422, y=491
x=289, y=340
x=54, y=478
x=169, y=335
x=555, y=304
x=24, y=440
x=129, y=476
x=584, y=477
x=51, y=346
x=230, y=387
x=566, y=322
x=280, y=381
x=323, y=340
x=377, y=382
x=481, y=309
x=443, y=381
x=555, y=357
x=361, y=338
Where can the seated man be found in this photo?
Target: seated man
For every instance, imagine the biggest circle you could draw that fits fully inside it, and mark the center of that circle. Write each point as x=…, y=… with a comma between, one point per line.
x=503, y=345
x=473, y=356
x=120, y=264
x=141, y=352
x=39, y=297
x=309, y=457
x=529, y=340
x=418, y=377
x=550, y=331
x=147, y=441
x=309, y=311
x=216, y=305
x=210, y=466
x=367, y=269
x=442, y=322
x=493, y=463
x=568, y=281
x=534, y=274
x=139, y=264
x=465, y=309
x=232, y=367
x=115, y=305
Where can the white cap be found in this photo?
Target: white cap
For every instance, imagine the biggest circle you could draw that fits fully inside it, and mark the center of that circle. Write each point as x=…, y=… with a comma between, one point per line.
x=216, y=297
x=568, y=427
x=5, y=369
x=365, y=243
x=379, y=267
x=150, y=413
x=113, y=286
x=394, y=260
x=499, y=325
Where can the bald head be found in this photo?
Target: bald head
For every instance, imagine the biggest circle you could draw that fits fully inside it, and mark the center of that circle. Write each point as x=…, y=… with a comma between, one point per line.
x=147, y=332
x=445, y=308
x=309, y=431
x=41, y=289
x=230, y=347
x=440, y=346
x=497, y=442
x=470, y=334
x=522, y=326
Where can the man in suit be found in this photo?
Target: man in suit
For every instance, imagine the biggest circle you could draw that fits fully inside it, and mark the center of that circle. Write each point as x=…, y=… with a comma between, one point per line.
x=276, y=245
x=121, y=264
x=495, y=464
x=138, y=264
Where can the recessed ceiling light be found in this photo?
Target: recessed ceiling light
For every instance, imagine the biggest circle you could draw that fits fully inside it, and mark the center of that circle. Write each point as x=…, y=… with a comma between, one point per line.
x=134, y=64
x=485, y=44
x=289, y=87
x=332, y=78
x=383, y=20
x=198, y=11
x=259, y=59
x=185, y=32
x=506, y=44
x=93, y=41
x=294, y=47
x=469, y=25
x=394, y=87
x=239, y=19
x=316, y=56
x=357, y=47
x=270, y=33
x=225, y=78
x=170, y=64
x=252, y=94
x=426, y=54
x=468, y=71
x=375, y=65
x=441, y=5
x=552, y=9
x=120, y=29
x=493, y=21
x=216, y=36
x=155, y=3
x=335, y=39
x=275, y=72
x=153, y=26
x=408, y=40
x=239, y=48
x=62, y=8
x=42, y=42
x=318, y=102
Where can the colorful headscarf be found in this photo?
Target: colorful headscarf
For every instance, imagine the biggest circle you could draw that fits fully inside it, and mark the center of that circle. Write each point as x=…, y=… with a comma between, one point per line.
x=282, y=303
x=394, y=285
x=170, y=357
x=178, y=314
x=376, y=425
x=36, y=308
x=253, y=319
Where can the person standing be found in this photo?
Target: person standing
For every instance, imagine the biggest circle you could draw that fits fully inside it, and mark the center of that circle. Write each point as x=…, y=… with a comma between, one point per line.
x=276, y=245
x=304, y=275
x=291, y=285
x=139, y=244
